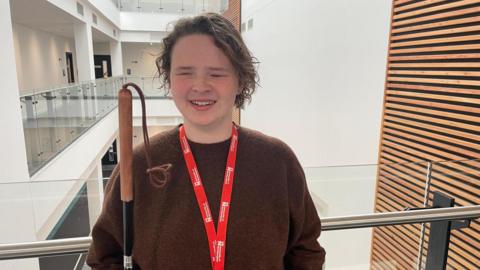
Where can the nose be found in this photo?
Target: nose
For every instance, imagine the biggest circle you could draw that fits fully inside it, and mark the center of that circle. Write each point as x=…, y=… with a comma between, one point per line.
x=200, y=84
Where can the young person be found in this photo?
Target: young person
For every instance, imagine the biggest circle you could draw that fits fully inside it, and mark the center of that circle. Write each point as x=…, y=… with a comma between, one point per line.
x=233, y=198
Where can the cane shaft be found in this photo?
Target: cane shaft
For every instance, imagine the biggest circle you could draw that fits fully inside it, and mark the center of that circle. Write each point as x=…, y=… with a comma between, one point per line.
x=126, y=144
x=127, y=234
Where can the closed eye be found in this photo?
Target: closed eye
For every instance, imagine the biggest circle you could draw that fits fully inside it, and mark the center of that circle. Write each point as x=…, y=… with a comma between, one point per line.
x=218, y=75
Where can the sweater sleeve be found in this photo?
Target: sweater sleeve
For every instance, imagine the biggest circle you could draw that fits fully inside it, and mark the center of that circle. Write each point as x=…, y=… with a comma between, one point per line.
x=105, y=252
x=304, y=251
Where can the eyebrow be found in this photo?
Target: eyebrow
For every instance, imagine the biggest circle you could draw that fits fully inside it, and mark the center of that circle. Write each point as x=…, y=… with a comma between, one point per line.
x=209, y=68
x=218, y=69
x=184, y=68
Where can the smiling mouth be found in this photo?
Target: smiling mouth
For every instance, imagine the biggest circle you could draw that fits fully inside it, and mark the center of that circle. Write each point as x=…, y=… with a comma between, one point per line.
x=202, y=102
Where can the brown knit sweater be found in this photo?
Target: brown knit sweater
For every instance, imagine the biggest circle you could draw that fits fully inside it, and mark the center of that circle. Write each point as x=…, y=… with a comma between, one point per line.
x=272, y=225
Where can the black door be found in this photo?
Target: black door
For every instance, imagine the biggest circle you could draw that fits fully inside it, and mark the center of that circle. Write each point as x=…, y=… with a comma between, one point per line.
x=69, y=60
x=103, y=66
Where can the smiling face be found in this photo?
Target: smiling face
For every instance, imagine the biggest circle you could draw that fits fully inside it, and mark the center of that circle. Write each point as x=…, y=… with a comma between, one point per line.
x=203, y=83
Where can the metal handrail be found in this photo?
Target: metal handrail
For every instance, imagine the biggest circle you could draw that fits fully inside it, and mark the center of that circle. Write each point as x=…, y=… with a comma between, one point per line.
x=81, y=244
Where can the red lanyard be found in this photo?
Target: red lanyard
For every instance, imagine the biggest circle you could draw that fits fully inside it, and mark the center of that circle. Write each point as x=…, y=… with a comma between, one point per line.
x=216, y=239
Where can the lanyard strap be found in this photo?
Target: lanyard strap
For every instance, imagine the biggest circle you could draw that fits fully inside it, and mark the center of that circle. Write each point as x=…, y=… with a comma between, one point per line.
x=216, y=238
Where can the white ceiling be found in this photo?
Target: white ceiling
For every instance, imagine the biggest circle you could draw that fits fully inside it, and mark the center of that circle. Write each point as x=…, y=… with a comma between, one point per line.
x=41, y=15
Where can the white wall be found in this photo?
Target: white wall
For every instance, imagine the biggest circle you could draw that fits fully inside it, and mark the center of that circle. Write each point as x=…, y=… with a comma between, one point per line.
x=13, y=160
x=108, y=9
x=322, y=73
x=143, y=21
x=140, y=58
x=142, y=36
x=102, y=48
x=40, y=58
x=104, y=24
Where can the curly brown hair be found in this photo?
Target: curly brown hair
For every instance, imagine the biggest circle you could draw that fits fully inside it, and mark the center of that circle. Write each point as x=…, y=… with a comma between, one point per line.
x=226, y=38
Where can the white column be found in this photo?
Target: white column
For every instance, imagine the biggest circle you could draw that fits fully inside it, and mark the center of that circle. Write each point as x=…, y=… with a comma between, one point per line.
x=13, y=157
x=116, y=55
x=84, y=50
x=95, y=193
x=17, y=223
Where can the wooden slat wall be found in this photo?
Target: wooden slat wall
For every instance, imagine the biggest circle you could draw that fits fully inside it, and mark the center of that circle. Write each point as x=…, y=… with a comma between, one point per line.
x=233, y=14
x=431, y=113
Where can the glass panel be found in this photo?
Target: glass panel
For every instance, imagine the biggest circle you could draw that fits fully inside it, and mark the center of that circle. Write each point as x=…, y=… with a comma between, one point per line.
x=326, y=184
x=460, y=181
x=76, y=112
x=30, y=132
x=89, y=103
x=45, y=125
x=52, y=119
x=182, y=8
x=62, y=122
x=56, y=262
x=35, y=211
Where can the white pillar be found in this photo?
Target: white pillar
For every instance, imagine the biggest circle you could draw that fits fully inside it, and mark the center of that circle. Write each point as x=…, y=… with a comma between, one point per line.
x=95, y=193
x=116, y=55
x=17, y=223
x=13, y=157
x=84, y=50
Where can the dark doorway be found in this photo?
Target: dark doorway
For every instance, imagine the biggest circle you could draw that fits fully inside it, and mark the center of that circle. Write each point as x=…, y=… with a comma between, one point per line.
x=109, y=160
x=103, y=66
x=69, y=60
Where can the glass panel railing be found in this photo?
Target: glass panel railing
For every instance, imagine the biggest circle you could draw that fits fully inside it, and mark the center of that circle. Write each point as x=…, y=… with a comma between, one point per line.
x=34, y=211
x=459, y=182
x=54, y=118
x=186, y=7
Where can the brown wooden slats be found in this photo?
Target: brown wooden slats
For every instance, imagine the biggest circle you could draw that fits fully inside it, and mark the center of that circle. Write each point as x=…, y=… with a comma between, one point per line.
x=435, y=120
x=444, y=15
x=435, y=49
x=435, y=41
x=407, y=262
x=416, y=5
x=437, y=128
x=434, y=73
x=427, y=26
x=424, y=145
x=447, y=5
x=431, y=113
x=435, y=105
x=435, y=65
x=457, y=56
x=398, y=149
x=457, y=116
x=444, y=138
x=433, y=88
x=434, y=81
x=437, y=32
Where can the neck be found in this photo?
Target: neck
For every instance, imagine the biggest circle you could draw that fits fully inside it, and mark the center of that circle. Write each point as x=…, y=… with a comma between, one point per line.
x=208, y=134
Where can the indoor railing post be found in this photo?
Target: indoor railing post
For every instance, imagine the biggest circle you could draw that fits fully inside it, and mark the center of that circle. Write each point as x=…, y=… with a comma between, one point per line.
x=439, y=238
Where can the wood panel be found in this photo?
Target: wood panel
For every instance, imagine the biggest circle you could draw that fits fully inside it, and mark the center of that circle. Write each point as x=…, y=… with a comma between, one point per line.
x=233, y=14
x=431, y=114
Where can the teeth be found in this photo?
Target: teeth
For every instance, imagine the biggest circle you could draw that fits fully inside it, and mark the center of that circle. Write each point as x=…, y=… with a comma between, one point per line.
x=202, y=103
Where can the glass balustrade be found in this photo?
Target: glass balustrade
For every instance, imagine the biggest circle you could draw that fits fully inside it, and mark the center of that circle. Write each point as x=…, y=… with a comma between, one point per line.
x=54, y=118
x=63, y=209
x=186, y=7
